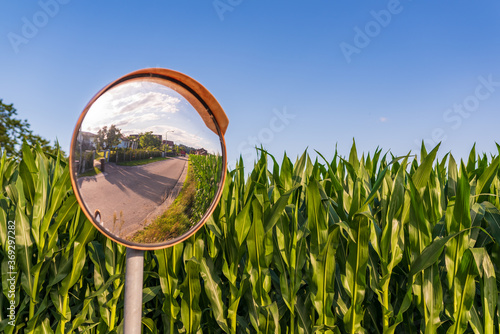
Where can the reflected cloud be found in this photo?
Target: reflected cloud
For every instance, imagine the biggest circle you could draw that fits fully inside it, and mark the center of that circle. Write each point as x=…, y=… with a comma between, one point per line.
x=140, y=107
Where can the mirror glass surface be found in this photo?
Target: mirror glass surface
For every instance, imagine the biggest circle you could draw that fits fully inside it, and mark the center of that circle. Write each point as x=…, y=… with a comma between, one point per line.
x=147, y=164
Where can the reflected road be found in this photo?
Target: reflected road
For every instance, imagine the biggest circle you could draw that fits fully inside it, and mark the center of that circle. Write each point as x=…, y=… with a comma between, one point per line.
x=125, y=195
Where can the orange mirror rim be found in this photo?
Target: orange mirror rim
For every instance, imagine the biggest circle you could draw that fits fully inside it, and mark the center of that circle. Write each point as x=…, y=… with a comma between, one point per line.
x=205, y=104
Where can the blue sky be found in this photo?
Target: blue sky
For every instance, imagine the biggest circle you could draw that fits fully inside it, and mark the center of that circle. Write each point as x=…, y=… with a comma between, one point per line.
x=290, y=75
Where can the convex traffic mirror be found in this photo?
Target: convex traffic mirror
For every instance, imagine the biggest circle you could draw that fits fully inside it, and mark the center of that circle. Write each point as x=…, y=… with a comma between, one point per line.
x=148, y=158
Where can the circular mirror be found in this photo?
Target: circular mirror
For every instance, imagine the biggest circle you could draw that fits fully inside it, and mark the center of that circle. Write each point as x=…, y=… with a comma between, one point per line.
x=148, y=158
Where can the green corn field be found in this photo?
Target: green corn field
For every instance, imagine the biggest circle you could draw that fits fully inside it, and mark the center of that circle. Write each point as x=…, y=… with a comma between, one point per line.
x=375, y=244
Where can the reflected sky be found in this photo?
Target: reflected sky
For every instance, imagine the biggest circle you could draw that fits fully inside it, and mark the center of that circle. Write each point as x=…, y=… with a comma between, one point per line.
x=143, y=106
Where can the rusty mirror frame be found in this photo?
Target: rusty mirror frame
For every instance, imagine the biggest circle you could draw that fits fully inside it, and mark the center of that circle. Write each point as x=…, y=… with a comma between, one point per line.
x=209, y=110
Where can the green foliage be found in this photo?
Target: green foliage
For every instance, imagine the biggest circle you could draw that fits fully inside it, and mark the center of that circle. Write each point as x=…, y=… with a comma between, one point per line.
x=364, y=245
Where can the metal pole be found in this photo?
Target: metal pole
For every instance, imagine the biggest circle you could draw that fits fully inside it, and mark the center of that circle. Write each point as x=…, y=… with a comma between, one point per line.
x=134, y=281
x=166, y=140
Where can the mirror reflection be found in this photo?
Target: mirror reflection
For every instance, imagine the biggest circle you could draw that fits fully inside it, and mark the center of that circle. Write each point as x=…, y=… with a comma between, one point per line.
x=147, y=165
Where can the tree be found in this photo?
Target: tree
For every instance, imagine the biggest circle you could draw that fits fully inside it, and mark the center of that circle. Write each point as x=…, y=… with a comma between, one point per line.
x=149, y=140
x=14, y=131
x=108, y=138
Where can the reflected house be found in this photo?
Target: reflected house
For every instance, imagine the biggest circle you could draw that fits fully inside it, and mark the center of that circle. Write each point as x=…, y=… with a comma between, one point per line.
x=86, y=140
x=169, y=143
x=201, y=151
x=128, y=142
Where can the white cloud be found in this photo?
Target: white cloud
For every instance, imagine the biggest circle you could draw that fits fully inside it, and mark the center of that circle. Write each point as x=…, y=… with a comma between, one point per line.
x=132, y=103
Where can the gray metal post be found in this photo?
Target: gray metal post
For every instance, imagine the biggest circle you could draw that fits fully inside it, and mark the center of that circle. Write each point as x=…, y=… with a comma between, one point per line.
x=134, y=281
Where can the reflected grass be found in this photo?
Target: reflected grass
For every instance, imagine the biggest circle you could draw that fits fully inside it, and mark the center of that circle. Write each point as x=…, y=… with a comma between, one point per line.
x=176, y=220
x=92, y=172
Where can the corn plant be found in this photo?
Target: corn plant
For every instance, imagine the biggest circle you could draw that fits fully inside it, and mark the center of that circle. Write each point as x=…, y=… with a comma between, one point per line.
x=356, y=244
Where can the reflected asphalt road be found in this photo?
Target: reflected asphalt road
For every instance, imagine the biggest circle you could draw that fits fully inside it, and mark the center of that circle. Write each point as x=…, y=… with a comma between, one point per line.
x=125, y=195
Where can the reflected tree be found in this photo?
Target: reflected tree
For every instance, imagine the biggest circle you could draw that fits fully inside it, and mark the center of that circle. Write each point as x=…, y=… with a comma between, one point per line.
x=108, y=138
x=148, y=140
